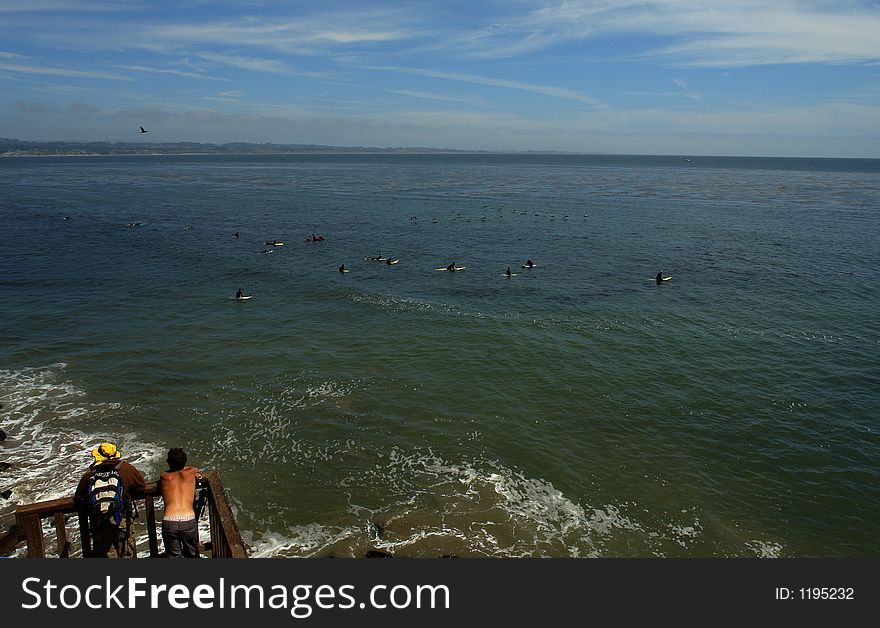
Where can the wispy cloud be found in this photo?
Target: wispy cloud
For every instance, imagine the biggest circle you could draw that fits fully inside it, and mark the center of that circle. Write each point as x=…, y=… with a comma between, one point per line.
x=487, y=73
x=46, y=86
x=544, y=90
x=50, y=71
x=301, y=28
x=181, y=73
x=478, y=102
x=706, y=33
x=55, y=6
x=248, y=63
x=682, y=84
x=231, y=96
x=305, y=35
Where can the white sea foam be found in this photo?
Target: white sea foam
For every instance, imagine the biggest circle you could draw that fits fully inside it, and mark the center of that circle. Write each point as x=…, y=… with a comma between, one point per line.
x=46, y=446
x=305, y=540
x=436, y=506
x=765, y=549
x=267, y=426
x=430, y=505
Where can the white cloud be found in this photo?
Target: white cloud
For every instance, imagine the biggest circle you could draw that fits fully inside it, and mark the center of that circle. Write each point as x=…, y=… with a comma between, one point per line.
x=231, y=96
x=682, y=84
x=307, y=35
x=478, y=102
x=181, y=73
x=545, y=90
x=54, y=6
x=248, y=63
x=50, y=71
x=46, y=86
x=708, y=33
x=705, y=33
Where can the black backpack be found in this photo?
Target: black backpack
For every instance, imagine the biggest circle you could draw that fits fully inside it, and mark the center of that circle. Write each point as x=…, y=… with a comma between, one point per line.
x=107, y=498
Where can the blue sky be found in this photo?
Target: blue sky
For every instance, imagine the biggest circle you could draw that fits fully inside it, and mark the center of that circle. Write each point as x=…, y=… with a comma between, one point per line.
x=724, y=77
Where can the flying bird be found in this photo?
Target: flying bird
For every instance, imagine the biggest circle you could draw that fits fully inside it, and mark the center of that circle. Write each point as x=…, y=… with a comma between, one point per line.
x=143, y=130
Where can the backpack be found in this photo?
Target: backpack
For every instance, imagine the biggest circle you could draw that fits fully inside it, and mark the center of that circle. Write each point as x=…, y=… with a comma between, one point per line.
x=106, y=497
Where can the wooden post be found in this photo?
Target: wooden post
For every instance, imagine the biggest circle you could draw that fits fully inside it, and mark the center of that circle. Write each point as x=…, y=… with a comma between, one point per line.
x=33, y=532
x=223, y=526
x=151, y=527
x=61, y=536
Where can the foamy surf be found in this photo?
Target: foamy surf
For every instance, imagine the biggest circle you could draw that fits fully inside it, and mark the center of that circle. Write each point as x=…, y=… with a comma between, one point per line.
x=435, y=507
x=47, y=448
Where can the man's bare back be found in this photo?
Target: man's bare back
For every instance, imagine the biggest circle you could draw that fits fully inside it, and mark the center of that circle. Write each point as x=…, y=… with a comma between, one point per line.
x=179, y=491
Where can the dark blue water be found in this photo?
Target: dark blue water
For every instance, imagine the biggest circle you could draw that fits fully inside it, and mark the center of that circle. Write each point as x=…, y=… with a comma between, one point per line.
x=575, y=408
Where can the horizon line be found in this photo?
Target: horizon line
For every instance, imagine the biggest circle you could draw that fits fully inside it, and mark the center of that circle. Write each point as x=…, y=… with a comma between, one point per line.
x=342, y=148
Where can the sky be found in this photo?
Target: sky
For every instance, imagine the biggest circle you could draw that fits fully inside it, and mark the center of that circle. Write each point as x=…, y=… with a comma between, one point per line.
x=700, y=77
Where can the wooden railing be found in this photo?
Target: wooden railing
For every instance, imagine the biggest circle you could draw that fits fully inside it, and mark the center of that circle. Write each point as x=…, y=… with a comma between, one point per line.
x=225, y=536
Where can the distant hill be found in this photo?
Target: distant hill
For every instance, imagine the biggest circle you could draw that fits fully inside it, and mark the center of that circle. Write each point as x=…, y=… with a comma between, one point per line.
x=14, y=147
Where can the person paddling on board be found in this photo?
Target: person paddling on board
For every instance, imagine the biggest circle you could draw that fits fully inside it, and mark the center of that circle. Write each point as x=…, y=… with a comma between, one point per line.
x=239, y=294
x=508, y=273
x=530, y=263
x=451, y=266
x=659, y=278
x=342, y=268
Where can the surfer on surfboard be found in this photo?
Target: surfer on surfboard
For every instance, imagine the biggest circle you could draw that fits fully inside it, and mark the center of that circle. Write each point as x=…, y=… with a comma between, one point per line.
x=239, y=294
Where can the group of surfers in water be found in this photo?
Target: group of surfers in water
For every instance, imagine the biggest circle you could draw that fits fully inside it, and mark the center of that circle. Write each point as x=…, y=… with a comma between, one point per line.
x=452, y=267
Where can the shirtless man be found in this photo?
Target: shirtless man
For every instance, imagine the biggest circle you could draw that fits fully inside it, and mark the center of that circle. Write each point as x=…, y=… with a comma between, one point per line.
x=180, y=529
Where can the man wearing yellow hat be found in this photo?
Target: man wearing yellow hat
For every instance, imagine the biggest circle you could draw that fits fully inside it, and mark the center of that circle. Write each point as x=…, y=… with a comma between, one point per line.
x=104, y=492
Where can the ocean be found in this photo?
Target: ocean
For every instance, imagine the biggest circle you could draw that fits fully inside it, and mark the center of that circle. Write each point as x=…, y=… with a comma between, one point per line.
x=574, y=409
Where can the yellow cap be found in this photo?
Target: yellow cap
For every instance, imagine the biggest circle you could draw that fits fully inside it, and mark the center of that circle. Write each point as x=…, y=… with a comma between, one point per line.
x=105, y=451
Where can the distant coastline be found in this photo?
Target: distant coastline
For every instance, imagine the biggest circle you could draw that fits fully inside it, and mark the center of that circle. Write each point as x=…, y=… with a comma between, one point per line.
x=24, y=148
x=28, y=148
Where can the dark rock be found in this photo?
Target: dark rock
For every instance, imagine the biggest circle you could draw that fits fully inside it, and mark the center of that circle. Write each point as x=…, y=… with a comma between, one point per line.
x=6, y=494
x=4, y=466
x=377, y=554
x=380, y=529
x=2, y=436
